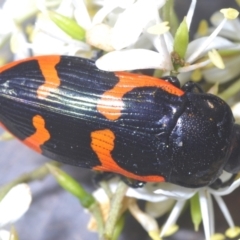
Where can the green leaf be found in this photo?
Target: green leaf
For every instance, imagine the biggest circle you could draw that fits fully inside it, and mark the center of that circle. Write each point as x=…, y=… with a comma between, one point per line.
x=68, y=25
x=181, y=39
x=195, y=211
x=72, y=186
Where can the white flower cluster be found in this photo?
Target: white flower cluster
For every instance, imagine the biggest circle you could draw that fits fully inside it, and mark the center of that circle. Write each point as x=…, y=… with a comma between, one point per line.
x=135, y=37
x=15, y=203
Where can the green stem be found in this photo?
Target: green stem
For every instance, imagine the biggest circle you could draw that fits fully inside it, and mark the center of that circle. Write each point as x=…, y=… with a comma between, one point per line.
x=97, y=214
x=116, y=206
x=36, y=174
x=119, y=227
x=105, y=186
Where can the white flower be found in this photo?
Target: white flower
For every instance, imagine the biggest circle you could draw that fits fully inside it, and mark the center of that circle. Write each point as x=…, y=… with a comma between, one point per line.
x=12, y=15
x=13, y=206
x=48, y=38
x=163, y=197
x=114, y=13
x=230, y=31
x=130, y=59
x=57, y=41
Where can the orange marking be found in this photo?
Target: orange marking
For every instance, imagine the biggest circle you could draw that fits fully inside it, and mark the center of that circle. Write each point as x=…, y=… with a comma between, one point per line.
x=111, y=104
x=52, y=81
x=47, y=66
x=102, y=144
x=40, y=136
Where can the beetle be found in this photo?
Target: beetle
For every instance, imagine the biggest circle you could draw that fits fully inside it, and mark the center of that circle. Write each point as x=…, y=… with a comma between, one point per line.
x=141, y=127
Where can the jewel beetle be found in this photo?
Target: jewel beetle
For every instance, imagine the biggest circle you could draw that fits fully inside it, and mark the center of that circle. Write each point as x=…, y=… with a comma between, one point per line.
x=141, y=127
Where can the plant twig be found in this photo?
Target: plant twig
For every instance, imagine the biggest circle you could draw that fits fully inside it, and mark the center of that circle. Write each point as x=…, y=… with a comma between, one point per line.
x=36, y=174
x=116, y=206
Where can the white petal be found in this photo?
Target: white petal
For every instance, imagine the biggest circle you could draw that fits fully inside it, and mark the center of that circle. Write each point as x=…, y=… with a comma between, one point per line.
x=20, y=10
x=203, y=197
x=225, y=212
x=44, y=44
x=231, y=29
x=169, y=41
x=211, y=214
x=8, y=25
x=190, y=13
x=184, y=77
x=218, y=43
x=108, y=8
x=164, y=45
x=49, y=39
x=101, y=196
x=233, y=25
x=174, y=191
x=228, y=34
x=148, y=223
x=201, y=48
x=124, y=3
x=15, y=204
x=43, y=5
x=19, y=45
x=4, y=235
x=217, y=18
x=131, y=22
x=81, y=14
x=226, y=190
x=144, y=42
x=157, y=209
x=103, y=12
x=213, y=75
x=160, y=3
x=145, y=193
x=194, y=66
x=65, y=8
x=99, y=36
x=46, y=25
x=177, y=209
x=78, y=49
x=225, y=176
x=133, y=59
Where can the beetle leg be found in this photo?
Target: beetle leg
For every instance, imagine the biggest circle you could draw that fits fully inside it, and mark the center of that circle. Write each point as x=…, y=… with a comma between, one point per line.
x=132, y=182
x=102, y=176
x=105, y=176
x=220, y=184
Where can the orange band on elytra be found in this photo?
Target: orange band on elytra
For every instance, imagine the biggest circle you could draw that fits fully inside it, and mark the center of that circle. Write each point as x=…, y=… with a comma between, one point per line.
x=52, y=81
x=40, y=136
x=111, y=104
x=102, y=144
x=47, y=66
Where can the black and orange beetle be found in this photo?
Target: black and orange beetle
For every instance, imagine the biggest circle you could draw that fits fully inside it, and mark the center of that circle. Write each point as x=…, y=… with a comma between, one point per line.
x=138, y=126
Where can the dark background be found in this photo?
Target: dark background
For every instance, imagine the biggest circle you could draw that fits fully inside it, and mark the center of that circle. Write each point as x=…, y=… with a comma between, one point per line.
x=55, y=214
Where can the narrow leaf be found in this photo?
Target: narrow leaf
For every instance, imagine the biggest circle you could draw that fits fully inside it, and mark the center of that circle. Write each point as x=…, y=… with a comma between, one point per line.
x=68, y=25
x=72, y=186
x=181, y=39
x=195, y=211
